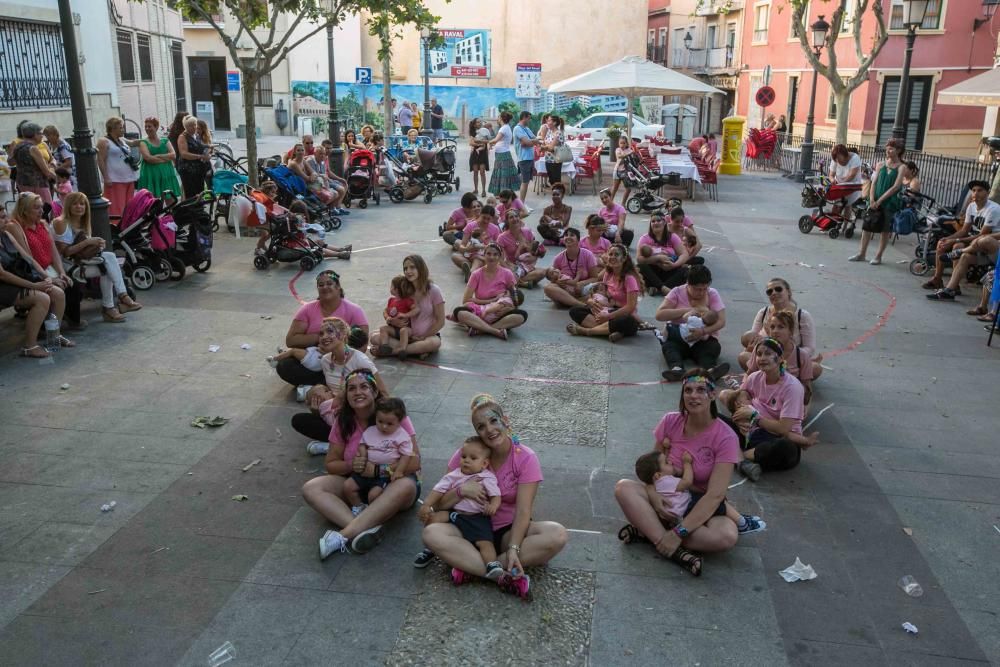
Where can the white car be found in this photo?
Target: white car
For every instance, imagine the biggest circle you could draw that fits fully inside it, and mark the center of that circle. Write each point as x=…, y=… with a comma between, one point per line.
x=597, y=126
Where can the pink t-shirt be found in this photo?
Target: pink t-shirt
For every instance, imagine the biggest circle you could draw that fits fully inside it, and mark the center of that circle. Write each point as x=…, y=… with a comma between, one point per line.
x=677, y=501
x=716, y=444
x=782, y=400
x=424, y=320
x=384, y=448
x=492, y=232
x=611, y=216
x=578, y=269
x=521, y=467
x=456, y=478
x=485, y=288
x=598, y=248
x=678, y=298
x=312, y=315
x=458, y=218
x=502, y=208
x=508, y=243
x=803, y=373
x=354, y=441
x=619, y=292
x=673, y=247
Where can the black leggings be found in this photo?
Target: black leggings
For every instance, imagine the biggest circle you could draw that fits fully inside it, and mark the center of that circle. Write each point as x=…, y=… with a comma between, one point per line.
x=549, y=233
x=192, y=181
x=657, y=276
x=705, y=353
x=554, y=172
x=627, y=325
x=310, y=425
x=74, y=295
x=773, y=452
x=627, y=236
x=294, y=373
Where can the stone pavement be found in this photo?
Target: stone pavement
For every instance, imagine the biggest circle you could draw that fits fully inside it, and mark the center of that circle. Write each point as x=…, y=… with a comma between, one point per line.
x=178, y=567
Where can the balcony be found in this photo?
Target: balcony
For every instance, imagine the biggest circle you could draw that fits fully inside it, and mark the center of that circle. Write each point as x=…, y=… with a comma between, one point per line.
x=712, y=7
x=702, y=60
x=656, y=54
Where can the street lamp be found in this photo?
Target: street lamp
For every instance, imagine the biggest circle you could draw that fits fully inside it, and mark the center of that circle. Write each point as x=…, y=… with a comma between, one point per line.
x=88, y=176
x=819, y=30
x=336, y=158
x=913, y=16
x=427, y=36
x=989, y=9
x=687, y=41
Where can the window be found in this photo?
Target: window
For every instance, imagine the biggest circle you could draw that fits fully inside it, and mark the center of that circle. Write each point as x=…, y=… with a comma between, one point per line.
x=932, y=19
x=762, y=14
x=915, y=118
x=848, y=23
x=804, y=23
x=145, y=58
x=126, y=62
x=652, y=37
x=730, y=44
x=32, y=65
x=593, y=123
x=663, y=37
x=177, y=56
x=710, y=37
x=262, y=94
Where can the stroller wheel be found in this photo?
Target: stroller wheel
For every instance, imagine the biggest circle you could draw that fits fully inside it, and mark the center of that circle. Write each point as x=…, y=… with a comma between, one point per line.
x=363, y=203
x=142, y=277
x=177, y=268
x=919, y=266
x=307, y=263
x=396, y=195
x=834, y=233
x=806, y=224
x=849, y=232
x=259, y=262
x=458, y=184
x=203, y=266
x=327, y=222
x=428, y=198
x=215, y=226
x=162, y=268
x=634, y=205
x=335, y=222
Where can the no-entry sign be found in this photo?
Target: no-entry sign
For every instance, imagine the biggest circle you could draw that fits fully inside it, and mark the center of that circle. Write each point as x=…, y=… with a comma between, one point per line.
x=765, y=96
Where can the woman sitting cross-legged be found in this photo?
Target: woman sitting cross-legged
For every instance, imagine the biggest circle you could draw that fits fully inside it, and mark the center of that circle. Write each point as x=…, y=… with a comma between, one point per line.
x=593, y=238
x=399, y=489
x=678, y=223
x=572, y=270
x=614, y=314
x=520, y=250
x=469, y=247
x=468, y=211
x=424, y=327
x=779, y=296
x=796, y=359
x=695, y=314
x=519, y=540
x=661, y=257
x=489, y=299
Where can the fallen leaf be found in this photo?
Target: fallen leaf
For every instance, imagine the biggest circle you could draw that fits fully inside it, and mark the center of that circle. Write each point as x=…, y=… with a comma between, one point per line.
x=240, y=497
x=908, y=531
x=251, y=465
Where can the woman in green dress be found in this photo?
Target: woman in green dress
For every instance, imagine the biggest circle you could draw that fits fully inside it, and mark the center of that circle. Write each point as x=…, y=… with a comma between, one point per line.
x=157, y=173
x=885, y=199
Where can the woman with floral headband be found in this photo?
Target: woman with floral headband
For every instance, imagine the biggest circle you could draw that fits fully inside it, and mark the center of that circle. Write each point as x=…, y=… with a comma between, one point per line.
x=521, y=541
x=768, y=409
x=362, y=532
x=695, y=429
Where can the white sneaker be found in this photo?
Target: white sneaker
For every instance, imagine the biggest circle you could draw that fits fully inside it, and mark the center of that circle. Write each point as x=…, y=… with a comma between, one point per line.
x=358, y=509
x=317, y=447
x=301, y=391
x=330, y=542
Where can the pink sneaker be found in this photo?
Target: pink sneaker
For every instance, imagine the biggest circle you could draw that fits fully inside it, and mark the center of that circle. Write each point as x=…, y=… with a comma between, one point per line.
x=459, y=577
x=519, y=587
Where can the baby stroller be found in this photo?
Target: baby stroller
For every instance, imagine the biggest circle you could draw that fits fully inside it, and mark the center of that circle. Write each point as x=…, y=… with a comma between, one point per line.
x=286, y=242
x=932, y=226
x=362, y=179
x=291, y=187
x=223, y=181
x=817, y=191
x=412, y=180
x=443, y=172
x=130, y=239
x=644, y=184
x=193, y=235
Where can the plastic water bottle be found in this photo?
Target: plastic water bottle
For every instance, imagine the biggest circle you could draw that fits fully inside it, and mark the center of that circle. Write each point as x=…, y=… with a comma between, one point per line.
x=910, y=586
x=52, y=333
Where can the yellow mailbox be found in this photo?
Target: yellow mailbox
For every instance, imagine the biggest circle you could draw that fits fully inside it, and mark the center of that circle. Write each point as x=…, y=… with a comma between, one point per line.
x=732, y=140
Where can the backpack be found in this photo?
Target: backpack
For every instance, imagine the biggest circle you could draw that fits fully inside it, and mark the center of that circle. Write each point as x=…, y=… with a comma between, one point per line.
x=904, y=221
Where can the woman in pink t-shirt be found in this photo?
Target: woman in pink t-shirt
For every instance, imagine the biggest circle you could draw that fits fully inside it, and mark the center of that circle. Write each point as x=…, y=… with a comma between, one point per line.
x=661, y=257
x=425, y=327
x=520, y=250
x=693, y=298
x=308, y=320
x=614, y=217
x=486, y=224
x=696, y=429
x=624, y=289
x=594, y=241
x=781, y=325
x=468, y=211
x=680, y=224
x=490, y=285
x=325, y=494
x=572, y=269
x=522, y=541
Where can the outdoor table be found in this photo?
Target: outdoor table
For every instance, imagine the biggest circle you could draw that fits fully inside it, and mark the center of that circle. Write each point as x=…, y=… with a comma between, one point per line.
x=680, y=164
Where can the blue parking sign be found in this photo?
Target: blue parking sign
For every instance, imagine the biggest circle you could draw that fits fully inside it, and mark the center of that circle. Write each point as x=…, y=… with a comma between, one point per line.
x=363, y=76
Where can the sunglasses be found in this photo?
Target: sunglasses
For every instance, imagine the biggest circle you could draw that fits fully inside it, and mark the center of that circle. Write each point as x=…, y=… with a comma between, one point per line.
x=778, y=289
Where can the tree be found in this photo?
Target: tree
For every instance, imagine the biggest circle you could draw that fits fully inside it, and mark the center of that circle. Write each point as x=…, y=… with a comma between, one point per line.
x=253, y=22
x=842, y=87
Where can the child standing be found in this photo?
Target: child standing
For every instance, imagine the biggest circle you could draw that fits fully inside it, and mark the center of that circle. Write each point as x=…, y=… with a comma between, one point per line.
x=622, y=152
x=471, y=517
x=402, y=306
x=388, y=446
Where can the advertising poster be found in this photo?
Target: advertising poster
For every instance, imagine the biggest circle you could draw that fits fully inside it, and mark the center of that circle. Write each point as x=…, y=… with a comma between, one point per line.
x=463, y=54
x=528, y=83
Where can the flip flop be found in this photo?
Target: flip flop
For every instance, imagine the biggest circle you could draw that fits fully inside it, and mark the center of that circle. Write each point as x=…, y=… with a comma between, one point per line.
x=30, y=354
x=985, y=317
x=978, y=310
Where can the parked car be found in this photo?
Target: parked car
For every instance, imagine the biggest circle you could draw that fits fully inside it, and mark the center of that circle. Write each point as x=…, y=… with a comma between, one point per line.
x=596, y=126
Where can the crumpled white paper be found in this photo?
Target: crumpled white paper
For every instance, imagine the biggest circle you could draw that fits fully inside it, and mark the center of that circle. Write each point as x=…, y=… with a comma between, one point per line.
x=909, y=627
x=798, y=571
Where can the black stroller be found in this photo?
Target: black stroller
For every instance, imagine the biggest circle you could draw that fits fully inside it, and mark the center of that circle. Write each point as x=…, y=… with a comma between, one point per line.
x=443, y=171
x=412, y=180
x=644, y=184
x=291, y=188
x=286, y=242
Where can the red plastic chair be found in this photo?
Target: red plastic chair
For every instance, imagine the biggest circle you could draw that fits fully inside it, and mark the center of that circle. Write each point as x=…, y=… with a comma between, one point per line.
x=710, y=178
x=591, y=168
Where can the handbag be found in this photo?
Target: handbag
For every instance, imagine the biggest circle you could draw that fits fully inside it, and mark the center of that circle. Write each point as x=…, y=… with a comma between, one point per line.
x=562, y=153
x=873, y=220
x=13, y=262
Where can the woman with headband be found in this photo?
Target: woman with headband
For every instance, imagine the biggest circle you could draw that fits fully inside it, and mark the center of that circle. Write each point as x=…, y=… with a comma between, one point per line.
x=325, y=494
x=489, y=286
x=520, y=541
x=695, y=429
x=624, y=286
x=768, y=408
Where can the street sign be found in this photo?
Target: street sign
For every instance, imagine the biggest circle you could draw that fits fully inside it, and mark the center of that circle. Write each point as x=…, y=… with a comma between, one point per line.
x=765, y=96
x=233, y=81
x=363, y=76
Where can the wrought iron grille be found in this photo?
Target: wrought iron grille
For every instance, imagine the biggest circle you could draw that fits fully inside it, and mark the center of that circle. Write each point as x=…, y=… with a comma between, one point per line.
x=32, y=66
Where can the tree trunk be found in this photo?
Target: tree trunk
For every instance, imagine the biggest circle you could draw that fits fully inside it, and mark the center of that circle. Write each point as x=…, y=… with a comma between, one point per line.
x=842, y=99
x=249, y=115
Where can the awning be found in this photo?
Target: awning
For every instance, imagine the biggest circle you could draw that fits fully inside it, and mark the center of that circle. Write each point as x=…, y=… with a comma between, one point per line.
x=982, y=90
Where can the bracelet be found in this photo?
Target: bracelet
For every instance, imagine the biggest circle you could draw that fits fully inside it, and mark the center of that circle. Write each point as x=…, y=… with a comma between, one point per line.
x=754, y=418
x=458, y=490
x=681, y=531
x=515, y=548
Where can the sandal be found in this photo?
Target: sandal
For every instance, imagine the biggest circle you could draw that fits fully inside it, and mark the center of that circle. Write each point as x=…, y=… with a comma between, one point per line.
x=128, y=306
x=112, y=315
x=503, y=334
x=65, y=342
x=33, y=352
x=629, y=534
x=978, y=310
x=687, y=560
x=574, y=329
x=985, y=317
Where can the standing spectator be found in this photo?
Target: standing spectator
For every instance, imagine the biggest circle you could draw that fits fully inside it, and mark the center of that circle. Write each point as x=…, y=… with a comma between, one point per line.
x=553, y=139
x=176, y=129
x=437, y=119
x=525, y=140
x=193, y=158
x=504, y=170
x=157, y=171
x=479, y=154
x=59, y=149
x=884, y=202
x=33, y=172
x=418, y=118
x=405, y=119
x=119, y=169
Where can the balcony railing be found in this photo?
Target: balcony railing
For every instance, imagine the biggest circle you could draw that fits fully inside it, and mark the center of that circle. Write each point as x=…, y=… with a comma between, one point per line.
x=656, y=54
x=701, y=59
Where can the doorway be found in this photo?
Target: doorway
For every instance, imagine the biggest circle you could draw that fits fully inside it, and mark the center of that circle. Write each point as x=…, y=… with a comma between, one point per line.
x=208, y=84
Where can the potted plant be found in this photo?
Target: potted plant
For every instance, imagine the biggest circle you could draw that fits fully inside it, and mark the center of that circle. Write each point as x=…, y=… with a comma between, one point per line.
x=613, y=133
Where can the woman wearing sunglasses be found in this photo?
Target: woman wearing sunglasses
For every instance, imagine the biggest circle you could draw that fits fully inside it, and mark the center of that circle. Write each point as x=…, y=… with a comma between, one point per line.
x=779, y=296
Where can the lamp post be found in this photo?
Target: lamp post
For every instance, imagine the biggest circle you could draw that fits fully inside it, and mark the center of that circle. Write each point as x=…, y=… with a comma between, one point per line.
x=819, y=30
x=333, y=124
x=87, y=173
x=913, y=16
x=427, y=36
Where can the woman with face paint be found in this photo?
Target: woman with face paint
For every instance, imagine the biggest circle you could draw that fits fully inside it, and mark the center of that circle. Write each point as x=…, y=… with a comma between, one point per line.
x=624, y=286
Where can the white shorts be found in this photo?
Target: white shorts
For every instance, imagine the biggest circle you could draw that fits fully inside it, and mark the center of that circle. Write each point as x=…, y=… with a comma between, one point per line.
x=313, y=359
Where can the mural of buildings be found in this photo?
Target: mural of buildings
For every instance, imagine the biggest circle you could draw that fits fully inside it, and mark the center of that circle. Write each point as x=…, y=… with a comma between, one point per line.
x=470, y=51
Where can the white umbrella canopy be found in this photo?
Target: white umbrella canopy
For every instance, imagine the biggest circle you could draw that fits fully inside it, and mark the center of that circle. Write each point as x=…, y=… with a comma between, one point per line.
x=632, y=77
x=982, y=90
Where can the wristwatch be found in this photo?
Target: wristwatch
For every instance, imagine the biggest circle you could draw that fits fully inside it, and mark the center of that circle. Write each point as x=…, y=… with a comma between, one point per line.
x=680, y=531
